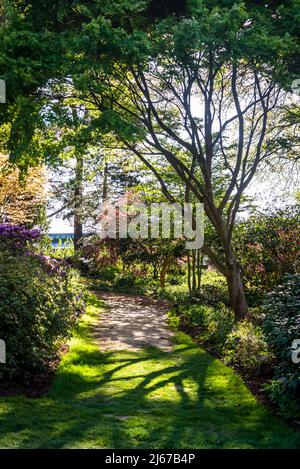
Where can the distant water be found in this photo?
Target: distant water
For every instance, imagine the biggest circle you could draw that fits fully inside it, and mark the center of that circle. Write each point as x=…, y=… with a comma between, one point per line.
x=60, y=239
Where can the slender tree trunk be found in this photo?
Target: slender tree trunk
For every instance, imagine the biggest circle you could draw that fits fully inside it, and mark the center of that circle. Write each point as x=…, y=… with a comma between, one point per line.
x=163, y=273
x=194, y=286
x=200, y=257
x=235, y=287
x=155, y=272
x=189, y=273
x=105, y=183
x=78, y=199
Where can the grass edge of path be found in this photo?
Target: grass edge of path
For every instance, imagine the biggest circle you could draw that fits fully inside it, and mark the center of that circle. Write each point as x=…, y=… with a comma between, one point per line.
x=141, y=400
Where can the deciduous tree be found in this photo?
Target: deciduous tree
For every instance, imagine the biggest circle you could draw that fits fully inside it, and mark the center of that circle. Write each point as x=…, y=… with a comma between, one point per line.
x=21, y=202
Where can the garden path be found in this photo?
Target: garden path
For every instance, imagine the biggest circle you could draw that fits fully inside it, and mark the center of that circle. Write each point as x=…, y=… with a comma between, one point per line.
x=132, y=322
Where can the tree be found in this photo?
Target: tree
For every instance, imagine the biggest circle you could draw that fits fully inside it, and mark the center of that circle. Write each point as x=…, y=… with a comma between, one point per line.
x=21, y=203
x=142, y=71
x=63, y=135
x=161, y=254
x=148, y=98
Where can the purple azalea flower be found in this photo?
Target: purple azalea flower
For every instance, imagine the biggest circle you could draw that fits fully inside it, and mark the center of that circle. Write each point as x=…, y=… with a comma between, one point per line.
x=17, y=234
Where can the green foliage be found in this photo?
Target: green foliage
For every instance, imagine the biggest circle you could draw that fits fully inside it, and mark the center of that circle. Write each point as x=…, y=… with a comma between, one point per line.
x=145, y=399
x=130, y=283
x=178, y=294
x=268, y=248
x=246, y=349
x=125, y=282
x=104, y=259
x=242, y=344
x=213, y=324
x=282, y=327
x=109, y=273
x=213, y=290
x=213, y=295
x=38, y=308
x=62, y=251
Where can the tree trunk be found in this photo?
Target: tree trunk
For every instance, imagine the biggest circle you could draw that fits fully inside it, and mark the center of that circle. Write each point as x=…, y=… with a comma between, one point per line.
x=194, y=286
x=163, y=273
x=236, y=289
x=105, y=183
x=231, y=270
x=78, y=200
x=200, y=257
x=155, y=271
x=189, y=273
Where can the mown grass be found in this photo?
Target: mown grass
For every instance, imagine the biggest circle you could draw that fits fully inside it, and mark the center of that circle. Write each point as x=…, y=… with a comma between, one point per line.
x=150, y=399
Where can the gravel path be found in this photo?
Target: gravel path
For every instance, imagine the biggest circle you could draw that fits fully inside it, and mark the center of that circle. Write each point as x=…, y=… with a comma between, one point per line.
x=132, y=322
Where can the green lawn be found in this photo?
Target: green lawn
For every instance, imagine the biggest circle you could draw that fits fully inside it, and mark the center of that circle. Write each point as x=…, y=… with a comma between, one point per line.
x=151, y=399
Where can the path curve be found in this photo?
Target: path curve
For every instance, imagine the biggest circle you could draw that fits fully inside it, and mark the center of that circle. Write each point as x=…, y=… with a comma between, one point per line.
x=132, y=322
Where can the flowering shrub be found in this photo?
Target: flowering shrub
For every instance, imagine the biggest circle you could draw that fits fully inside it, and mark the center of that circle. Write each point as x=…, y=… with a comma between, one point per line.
x=18, y=236
x=40, y=301
x=51, y=265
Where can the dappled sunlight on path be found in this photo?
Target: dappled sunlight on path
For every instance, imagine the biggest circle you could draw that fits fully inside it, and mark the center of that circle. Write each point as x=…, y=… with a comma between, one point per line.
x=146, y=398
x=133, y=322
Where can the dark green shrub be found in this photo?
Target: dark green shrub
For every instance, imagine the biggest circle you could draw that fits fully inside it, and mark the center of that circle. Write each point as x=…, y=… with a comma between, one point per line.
x=39, y=303
x=124, y=281
x=173, y=279
x=282, y=327
x=129, y=283
x=218, y=324
x=213, y=295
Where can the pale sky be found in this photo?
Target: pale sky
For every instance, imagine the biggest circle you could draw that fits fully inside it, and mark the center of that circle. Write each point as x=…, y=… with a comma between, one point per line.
x=58, y=225
x=280, y=186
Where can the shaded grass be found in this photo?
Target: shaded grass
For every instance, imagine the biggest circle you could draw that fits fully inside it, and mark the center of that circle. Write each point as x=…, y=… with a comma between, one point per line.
x=149, y=399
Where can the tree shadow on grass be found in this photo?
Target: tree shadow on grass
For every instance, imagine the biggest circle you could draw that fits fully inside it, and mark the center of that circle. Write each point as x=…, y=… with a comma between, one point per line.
x=146, y=399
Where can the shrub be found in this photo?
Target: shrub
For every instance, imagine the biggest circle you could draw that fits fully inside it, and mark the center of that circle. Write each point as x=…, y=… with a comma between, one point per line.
x=213, y=323
x=129, y=283
x=213, y=295
x=97, y=254
x=175, y=293
x=246, y=349
x=17, y=236
x=213, y=292
x=282, y=327
x=173, y=279
x=40, y=301
x=108, y=273
x=218, y=324
x=268, y=248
